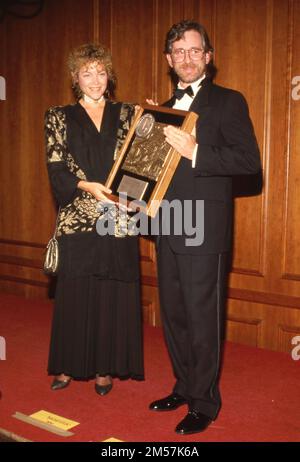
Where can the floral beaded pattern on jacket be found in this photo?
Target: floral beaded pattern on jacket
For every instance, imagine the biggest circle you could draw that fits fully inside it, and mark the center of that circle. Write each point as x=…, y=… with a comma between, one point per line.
x=82, y=213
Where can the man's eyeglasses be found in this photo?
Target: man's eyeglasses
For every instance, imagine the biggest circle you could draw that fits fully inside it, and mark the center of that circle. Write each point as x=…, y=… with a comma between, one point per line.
x=179, y=54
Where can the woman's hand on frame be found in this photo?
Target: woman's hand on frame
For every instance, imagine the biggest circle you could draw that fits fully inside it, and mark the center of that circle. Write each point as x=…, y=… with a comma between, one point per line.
x=97, y=190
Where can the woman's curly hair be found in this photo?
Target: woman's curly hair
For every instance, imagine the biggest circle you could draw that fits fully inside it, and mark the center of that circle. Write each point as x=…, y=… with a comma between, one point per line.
x=90, y=53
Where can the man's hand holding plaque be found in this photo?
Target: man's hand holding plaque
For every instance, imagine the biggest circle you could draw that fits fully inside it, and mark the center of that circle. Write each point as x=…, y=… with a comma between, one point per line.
x=183, y=142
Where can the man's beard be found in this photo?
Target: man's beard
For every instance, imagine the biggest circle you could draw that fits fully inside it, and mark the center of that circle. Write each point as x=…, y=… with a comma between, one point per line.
x=199, y=72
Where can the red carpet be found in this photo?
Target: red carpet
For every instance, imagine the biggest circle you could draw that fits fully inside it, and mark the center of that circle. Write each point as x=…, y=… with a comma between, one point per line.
x=260, y=389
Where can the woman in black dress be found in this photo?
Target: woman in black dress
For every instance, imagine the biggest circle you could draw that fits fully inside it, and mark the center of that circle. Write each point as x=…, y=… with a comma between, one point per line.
x=96, y=330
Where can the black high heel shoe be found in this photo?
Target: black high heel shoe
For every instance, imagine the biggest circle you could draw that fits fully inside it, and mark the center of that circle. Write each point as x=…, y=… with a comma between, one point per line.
x=103, y=389
x=60, y=384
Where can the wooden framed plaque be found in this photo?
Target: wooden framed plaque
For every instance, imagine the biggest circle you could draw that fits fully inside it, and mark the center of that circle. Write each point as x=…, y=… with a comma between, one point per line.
x=146, y=162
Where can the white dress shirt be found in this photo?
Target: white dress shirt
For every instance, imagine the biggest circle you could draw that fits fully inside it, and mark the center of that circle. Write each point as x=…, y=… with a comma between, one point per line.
x=184, y=104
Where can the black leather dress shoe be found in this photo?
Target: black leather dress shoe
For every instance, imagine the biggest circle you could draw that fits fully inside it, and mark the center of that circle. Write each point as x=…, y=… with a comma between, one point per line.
x=103, y=389
x=194, y=422
x=60, y=384
x=169, y=403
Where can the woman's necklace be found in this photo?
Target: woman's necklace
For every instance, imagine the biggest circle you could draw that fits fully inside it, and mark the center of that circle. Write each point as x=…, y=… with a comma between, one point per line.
x=89, y=100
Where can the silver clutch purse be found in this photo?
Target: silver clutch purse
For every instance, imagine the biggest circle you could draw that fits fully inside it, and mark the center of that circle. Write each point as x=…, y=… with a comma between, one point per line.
x=51, y=257
x=51, y=261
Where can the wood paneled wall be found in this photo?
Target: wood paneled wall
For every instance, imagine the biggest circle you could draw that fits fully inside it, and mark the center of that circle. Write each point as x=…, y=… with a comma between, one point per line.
x=257, y=51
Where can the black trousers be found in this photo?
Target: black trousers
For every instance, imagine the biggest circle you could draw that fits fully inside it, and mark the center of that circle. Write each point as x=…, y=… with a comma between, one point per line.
x=192, y=297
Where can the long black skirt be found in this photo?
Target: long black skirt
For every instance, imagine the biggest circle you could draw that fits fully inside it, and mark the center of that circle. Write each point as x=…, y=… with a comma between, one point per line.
x=97, y=328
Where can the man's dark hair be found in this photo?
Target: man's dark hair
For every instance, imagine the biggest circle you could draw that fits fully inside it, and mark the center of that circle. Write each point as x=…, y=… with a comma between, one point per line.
x=176, y=33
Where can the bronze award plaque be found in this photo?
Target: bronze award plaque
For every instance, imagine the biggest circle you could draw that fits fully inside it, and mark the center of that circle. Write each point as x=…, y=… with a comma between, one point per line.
x=146, y=162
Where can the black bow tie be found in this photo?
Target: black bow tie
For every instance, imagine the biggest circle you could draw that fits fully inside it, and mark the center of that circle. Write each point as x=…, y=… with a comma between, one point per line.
x=179, y=92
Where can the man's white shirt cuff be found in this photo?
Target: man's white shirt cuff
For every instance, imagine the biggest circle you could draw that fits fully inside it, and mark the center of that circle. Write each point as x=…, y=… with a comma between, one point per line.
x=194, y=158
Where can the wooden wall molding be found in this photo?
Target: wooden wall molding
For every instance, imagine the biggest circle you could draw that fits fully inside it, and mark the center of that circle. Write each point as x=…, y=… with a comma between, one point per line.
x=239, y=328
x=237, y=54
x=14, y=242
x=291, y=277
x=24, y=281
x=284, y=335
x=265, y=298
x=249, y=272
x=154, y=94
x=147, y=250
x=289, y=70
x=291, y=251
x=268, y=81
x=20, y=261
x=149, y=313
x=96, y=20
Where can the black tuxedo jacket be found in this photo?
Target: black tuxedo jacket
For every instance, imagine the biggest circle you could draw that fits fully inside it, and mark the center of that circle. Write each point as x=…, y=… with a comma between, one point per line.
x=227, y=147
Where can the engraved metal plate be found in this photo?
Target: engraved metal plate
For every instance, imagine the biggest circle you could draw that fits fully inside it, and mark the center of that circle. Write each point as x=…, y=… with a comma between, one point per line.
x=132, y=187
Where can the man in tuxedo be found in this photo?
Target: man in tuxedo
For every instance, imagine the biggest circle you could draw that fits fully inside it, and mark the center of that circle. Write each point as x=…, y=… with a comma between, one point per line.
x=192, y=279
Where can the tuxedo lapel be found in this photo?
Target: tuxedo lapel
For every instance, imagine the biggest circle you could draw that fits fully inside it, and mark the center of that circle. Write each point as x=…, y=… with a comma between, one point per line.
x=202, y=98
